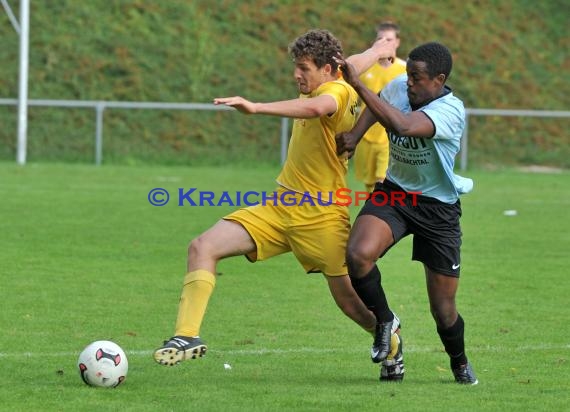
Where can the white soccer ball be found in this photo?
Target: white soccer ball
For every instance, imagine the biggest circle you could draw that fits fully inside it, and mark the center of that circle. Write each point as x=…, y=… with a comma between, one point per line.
x=103, y=363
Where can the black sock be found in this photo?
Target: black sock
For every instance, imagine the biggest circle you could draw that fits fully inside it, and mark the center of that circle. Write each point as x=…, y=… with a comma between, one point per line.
x=369, y=288
x=454, y=343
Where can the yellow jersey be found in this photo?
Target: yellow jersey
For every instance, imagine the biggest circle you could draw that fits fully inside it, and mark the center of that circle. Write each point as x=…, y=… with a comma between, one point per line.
x=312, y=165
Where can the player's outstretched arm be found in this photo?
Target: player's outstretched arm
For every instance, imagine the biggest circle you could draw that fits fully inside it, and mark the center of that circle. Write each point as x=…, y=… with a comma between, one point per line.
x=296, y=108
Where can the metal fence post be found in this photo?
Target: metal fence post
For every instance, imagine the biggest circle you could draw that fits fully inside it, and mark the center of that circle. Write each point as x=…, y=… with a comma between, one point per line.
x=464, y=138
x=284, y=138
x=99, y=109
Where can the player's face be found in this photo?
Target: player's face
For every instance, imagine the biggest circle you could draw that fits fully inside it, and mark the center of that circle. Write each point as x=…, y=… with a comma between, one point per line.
x=308, y=75
x=421, y=88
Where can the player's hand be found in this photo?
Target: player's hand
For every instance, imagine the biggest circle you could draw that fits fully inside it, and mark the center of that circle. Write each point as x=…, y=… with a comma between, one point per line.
x=349, y=73
x=384, y=49
x=239, y=103
x=346, y=144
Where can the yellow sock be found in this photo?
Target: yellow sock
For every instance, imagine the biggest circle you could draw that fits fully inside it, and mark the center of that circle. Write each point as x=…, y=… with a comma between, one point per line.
x=197, y=289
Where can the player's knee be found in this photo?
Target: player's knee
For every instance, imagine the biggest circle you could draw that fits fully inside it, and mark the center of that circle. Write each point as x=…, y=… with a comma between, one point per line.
x=358, y=260
x=198, y=248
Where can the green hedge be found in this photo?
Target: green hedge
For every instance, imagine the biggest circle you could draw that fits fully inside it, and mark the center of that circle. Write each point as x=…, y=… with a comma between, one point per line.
x=508, y=54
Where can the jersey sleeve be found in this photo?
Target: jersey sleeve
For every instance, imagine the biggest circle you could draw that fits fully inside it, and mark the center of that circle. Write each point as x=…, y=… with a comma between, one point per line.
x=338, y=91
x=448, y=118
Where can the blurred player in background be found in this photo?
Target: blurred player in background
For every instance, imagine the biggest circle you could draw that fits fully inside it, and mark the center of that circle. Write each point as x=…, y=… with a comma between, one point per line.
x=315, y=233
x=372, y=153
x=425, y=123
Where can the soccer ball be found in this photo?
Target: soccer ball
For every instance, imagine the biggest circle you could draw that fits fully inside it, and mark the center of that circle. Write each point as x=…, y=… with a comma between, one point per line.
x=103, y=363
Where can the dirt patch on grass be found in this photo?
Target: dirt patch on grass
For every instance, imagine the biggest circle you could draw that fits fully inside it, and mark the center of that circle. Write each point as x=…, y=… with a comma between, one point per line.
x=541, y=169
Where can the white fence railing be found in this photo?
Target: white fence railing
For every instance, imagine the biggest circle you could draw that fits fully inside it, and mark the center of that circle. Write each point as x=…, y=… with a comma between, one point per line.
x=101, y=106
x=500, y=112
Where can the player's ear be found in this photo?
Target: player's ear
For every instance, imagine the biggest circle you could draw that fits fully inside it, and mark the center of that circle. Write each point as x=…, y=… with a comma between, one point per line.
x=441, y=78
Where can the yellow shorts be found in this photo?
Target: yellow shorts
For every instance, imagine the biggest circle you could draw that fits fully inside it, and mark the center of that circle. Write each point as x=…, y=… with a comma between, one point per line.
x=316, y=234
x=371, y=161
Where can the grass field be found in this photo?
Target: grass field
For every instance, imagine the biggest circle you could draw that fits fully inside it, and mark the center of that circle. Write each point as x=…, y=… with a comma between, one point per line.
x=84, y=256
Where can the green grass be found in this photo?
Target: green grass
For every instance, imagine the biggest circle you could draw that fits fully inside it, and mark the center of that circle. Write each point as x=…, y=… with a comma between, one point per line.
x=84, y=256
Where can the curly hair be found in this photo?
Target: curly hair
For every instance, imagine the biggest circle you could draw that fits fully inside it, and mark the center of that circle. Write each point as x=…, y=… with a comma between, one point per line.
x=436, y=56
x=318, y=45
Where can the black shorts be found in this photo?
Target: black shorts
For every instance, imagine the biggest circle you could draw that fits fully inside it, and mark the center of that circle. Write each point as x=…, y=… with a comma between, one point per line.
x=434, y=224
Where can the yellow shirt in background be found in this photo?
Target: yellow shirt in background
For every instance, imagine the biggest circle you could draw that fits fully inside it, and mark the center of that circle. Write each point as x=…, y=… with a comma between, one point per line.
x=375, y=78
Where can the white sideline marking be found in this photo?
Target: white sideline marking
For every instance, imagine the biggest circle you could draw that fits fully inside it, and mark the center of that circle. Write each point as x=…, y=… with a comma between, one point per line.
x=257, y=352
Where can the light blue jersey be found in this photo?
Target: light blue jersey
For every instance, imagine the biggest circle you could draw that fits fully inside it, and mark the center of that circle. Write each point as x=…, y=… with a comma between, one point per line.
x=426, y=165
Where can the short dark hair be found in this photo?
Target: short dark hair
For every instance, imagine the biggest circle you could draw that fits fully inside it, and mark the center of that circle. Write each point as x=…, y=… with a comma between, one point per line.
x=436, y=56
x=388, y=25
x=319, y=45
